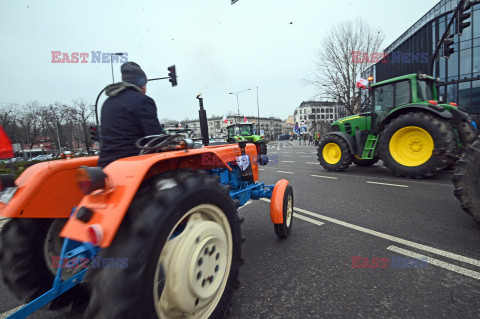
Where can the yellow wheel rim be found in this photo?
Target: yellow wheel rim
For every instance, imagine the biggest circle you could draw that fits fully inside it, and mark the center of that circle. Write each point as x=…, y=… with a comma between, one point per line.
x=332, y=153
x=411, y=146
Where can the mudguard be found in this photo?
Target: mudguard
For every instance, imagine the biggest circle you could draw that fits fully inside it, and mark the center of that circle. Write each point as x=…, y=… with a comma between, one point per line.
x=47, y=190
x=443, y=113
x=125, y=176
x=349, y=139
x=276, y=202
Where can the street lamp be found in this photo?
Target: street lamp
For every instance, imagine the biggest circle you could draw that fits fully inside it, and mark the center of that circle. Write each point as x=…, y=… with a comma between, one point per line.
x=111, y=63
x=238, y=104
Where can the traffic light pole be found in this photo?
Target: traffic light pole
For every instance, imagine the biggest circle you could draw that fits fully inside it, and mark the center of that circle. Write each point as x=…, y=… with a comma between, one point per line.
x=445, y=35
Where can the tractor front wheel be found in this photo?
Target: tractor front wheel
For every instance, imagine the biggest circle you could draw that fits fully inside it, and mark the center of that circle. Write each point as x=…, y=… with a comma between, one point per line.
x=334, y=153
x=261, y=147
x=409, y=144
x=465, y=180
x=283, y=230
x=181, y=237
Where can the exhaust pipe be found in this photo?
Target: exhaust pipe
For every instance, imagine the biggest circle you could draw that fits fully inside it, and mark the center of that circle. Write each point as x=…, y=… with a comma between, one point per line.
x=203, y=121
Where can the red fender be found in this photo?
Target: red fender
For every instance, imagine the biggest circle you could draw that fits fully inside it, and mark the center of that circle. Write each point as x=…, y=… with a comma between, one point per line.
x=276, y=203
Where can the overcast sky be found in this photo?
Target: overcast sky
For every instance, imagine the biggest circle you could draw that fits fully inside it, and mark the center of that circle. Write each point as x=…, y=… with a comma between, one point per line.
x=217, y=47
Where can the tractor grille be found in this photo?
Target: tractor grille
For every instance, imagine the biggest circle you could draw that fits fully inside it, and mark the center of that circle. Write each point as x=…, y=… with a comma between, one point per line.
x=348, y=128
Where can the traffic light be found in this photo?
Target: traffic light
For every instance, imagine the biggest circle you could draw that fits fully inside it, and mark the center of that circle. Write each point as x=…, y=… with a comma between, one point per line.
x=94, y=133
x=462, y=16
x=447, y=49
x=172, y=73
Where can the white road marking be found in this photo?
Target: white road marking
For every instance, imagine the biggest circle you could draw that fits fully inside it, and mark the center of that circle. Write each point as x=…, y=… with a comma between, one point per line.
x=402, y=241
x=320, y=176
x=436, y=262
x=300, y=152
x=261, y=169
x=395, y=239
x=284, y=172
x=8, y=313
x=305, y=156
x=312, y=163
x=387, y=184
x=310, y=220
x=288, y=161
x=246, y=204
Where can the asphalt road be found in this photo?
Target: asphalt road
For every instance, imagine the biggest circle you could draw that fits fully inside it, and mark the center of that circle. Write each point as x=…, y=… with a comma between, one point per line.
x=362, y=212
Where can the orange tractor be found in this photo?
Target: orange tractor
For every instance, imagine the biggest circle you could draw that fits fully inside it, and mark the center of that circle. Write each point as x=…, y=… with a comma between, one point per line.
x=150, y=236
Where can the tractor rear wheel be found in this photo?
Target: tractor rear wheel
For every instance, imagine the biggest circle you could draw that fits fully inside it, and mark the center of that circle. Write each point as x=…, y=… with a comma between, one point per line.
x=409, y=142
x=364, y=162
x=181, y=236
x=334, y=153
x=466, y=180
x=27, y=247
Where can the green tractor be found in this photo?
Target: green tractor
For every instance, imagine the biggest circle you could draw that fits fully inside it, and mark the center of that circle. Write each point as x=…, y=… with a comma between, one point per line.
x=245, y=132
x=403, y=125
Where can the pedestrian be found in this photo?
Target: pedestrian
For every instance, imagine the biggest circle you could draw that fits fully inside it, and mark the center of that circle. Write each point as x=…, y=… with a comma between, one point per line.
x=305, y=139
x=316, y=138
x=310, y=139
x=299, y=140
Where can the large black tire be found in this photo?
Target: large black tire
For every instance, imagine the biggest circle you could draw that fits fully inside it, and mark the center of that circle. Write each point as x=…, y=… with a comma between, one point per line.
x=467, y=133
x=439, y=130
x=283, y=230
x=339, y=161
x=23, y=262
x=466, y=180
x=364, y=162
x=159, y=207
x=262, y=147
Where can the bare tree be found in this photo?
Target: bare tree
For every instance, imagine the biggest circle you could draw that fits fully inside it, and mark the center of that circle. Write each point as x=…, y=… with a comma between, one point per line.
x=83, y=113
x=347, y=51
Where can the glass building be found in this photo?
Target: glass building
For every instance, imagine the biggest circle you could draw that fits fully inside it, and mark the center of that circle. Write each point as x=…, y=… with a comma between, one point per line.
x=413, y=50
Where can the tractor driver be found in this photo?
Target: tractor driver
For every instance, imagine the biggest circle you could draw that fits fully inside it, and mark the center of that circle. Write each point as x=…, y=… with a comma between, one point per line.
x=128, y=114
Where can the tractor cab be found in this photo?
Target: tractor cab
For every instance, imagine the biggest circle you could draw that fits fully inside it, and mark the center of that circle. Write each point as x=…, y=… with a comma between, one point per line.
x=236, y=130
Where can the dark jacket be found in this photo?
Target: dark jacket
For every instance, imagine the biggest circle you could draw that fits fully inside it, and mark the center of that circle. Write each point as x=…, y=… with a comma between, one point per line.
x=127, y=115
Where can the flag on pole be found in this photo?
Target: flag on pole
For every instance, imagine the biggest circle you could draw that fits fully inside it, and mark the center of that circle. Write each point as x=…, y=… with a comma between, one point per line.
x=225, y=118
x=245, y=119
x=362, y=83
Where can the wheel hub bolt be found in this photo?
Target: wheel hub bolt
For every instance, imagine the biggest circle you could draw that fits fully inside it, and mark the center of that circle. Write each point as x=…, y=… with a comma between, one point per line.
x=200, y=261
x=217, y=257
x=199, y=275
x=216, y=268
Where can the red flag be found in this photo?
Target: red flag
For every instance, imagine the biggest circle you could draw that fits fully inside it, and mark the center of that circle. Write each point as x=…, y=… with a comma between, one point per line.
x=362, y=83
x=245, y=119
x=6, y=149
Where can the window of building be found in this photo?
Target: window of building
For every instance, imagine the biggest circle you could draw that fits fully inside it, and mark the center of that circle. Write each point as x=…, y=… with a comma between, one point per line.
x=476, y=22
x=466, y=65
x=452, y=93
x=453, y=66
x=476, y=96
x=322, y=110
x=476, y=61
x=465, y=95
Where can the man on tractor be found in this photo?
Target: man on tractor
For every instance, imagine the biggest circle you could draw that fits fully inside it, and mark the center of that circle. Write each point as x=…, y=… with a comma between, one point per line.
x=127, y=115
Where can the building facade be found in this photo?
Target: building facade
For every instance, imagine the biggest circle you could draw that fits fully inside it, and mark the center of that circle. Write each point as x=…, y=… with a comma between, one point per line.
x=412, y=52
x=317, y=111
x=271, y=126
